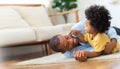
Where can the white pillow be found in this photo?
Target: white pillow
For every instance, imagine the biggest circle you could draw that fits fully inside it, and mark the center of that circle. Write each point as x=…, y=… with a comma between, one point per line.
x=35, y=16
x=10, y=18
x=6, y=12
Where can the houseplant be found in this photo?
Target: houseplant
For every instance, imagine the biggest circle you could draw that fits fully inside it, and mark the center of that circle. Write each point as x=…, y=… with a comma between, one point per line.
x=64, y=5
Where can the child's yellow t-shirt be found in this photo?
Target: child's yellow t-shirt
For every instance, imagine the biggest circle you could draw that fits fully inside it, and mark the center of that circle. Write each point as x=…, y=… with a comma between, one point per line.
x=99, y=41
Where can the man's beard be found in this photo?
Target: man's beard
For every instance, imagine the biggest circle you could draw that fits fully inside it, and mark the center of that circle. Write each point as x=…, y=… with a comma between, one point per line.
x=77, y=42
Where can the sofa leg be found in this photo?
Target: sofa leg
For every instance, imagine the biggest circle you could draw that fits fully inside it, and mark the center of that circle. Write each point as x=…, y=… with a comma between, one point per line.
x=46, y=49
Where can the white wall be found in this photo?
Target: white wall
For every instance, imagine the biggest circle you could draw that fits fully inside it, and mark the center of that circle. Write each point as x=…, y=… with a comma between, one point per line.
x=83, y=4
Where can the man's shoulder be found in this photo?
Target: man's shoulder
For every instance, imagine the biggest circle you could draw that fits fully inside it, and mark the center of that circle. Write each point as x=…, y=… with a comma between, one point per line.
x=79, y=24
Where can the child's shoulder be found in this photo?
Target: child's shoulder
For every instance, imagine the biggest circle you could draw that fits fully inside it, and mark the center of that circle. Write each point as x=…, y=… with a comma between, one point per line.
x=101, y=36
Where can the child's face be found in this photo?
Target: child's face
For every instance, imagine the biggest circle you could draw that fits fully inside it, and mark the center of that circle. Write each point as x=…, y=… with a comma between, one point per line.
x=88, y=27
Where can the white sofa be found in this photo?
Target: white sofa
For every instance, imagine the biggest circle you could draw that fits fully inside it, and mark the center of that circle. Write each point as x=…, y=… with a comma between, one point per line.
x=21, y=25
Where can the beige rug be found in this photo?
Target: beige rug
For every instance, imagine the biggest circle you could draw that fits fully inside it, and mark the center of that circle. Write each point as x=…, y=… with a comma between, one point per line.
x=59, y=58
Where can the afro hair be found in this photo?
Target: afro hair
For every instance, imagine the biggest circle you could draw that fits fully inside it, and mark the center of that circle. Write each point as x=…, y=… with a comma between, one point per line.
x=99, y=18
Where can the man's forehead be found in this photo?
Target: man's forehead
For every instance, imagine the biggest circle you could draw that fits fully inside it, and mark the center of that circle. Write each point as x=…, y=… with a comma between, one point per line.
x=62, y=42
x=61, y=36
x=66, y=35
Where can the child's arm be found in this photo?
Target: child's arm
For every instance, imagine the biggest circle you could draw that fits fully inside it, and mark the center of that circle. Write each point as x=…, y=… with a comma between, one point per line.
x=79, y=35
x=83, y=55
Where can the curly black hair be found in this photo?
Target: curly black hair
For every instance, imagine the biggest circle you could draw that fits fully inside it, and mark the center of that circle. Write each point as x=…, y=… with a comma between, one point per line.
x=54, y=43
x=99, y=18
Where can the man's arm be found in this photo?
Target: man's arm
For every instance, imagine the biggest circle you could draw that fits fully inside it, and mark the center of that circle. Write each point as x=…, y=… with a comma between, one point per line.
x=83, y=55
x=112, y=33
x=78, y=26
x=112, y=44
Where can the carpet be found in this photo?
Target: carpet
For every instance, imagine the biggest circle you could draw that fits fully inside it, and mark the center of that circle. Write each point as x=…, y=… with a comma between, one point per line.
x=60, y=58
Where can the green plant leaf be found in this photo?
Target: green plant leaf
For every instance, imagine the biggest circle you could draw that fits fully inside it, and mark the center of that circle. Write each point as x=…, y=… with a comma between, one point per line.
x=73, y=6
x=64, y=5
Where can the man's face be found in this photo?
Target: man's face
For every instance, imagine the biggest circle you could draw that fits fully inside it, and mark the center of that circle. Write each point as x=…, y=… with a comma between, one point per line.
x=67, y=43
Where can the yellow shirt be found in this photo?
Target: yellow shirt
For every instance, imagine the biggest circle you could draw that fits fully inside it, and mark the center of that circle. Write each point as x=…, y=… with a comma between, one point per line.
x=99, y=42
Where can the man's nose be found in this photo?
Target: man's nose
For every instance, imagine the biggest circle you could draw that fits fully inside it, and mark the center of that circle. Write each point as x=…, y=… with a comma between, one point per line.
x=70, y=41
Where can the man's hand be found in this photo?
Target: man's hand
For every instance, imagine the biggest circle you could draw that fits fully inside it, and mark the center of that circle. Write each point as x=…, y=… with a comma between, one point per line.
x=80, y=55
x=109, y=47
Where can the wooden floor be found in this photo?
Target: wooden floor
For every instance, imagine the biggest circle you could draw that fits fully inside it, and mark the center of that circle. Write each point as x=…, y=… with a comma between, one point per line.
x=91, y=64
x=6, y=63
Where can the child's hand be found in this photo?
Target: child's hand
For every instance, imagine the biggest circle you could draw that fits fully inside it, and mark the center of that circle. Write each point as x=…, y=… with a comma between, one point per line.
x=74, y=32
x=80, y=55
x=78, y=34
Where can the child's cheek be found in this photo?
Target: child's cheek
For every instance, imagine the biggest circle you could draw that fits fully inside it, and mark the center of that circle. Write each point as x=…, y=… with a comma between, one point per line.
x=85, y=29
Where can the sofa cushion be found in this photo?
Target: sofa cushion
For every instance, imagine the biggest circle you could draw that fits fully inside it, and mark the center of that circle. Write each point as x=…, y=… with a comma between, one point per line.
x=9, y=18
x=6, y=12
x=35, y=16
x=16, y=36
x=12, y=23
x=45, y=33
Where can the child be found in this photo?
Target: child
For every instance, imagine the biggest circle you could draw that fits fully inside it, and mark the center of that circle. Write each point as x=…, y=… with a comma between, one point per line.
x=97, y=23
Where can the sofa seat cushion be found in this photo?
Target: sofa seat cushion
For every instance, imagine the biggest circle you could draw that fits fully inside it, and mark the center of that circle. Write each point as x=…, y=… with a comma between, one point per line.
x=45, y=33
x=35, y=16
x=16, y=36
